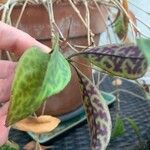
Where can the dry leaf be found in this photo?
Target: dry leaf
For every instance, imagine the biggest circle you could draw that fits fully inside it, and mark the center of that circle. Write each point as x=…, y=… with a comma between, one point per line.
x=38, y=125
x=32, y=145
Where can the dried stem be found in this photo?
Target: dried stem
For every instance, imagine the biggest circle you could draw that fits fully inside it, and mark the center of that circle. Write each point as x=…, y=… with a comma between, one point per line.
x=126, y=13
x=43, y=108
x=91, y=67
x=103, y=19
x=5, y=9
x=81, y=18
x=53, y=24
x=51, y=17
x=102, y=79
x=4, y=18
x=87, y=18
x=21, y=13
x=74, y=49
x=8, y=18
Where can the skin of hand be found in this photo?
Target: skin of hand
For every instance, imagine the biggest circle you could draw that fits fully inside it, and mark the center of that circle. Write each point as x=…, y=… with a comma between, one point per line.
x=17, y=41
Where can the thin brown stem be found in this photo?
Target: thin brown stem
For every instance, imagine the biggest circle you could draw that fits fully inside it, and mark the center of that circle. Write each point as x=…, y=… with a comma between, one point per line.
x=74, y=49
x=80, y=16
x=130, y=20
x=21, y=13
x=43, y=108
x=103, y=19
x=51, y=16
x=87, y=18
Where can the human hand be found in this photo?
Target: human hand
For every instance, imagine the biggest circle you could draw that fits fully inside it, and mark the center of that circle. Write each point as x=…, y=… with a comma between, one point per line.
x=16, y=41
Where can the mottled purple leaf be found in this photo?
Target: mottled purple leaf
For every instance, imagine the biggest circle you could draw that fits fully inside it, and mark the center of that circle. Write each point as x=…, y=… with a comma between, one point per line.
x=98, y=115
x=124, y=60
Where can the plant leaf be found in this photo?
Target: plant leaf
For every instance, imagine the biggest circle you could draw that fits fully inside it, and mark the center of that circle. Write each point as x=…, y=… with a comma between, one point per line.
x=144, y=46
x=98, y=115
x=121, y=23
x=120, y=60
x=41, y=124
x=32, y=146
x=10, y=146
x=121, y=27
x=118, y=127
x=38, y=76
x=134, y=126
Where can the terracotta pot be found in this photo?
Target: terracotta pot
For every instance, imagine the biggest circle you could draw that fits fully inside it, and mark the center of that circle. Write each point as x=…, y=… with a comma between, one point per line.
x=35, y=22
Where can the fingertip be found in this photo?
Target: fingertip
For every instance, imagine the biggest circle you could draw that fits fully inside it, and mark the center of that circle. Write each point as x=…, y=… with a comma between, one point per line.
x=17, y=41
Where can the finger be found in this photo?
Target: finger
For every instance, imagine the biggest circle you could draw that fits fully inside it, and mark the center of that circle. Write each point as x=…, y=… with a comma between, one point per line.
x=4, y=131
x=4, y=109
x=6, y=68
x=17, y=41
x=5, y=88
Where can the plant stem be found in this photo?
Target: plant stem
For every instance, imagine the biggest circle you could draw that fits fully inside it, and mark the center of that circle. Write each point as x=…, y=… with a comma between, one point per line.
x=130, y=20
x=74, y=49
x=21, y=13
x=87, y=18
x=43, y=108
x=103, y=19
x=81, y=18
x=51, y=16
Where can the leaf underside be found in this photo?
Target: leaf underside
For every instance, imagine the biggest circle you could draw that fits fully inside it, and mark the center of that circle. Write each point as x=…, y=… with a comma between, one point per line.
x=122, y=60
x=38, y=76
x=98, y=115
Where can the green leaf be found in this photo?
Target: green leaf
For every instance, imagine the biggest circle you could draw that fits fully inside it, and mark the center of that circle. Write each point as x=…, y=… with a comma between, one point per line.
x=10, y=146
x=121, y=26
x=38, y=76
x=7, y=147
x=144, y=46
x=124, y=60
x=97, y=111
x=118, y=127
x=134, y=126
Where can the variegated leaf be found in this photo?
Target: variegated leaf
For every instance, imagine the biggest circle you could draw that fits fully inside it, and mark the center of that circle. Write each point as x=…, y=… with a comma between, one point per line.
x=121, y=23
x=120, y=27
x=120, y=60
x=38, y=75
x=98, y=115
